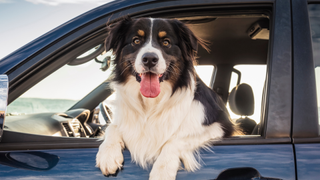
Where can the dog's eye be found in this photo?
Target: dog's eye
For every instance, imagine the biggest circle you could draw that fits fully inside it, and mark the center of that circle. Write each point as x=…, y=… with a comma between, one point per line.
x=166, y=43
x=136, y=41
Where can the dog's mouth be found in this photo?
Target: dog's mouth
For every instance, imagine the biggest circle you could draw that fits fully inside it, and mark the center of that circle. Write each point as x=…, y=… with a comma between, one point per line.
x=149, y=84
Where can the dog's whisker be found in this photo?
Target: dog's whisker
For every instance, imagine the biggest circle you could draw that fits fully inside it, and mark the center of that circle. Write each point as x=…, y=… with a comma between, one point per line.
x=172, y=70
x=176, y=67
x=126, y=60
x=134, y=71
x=125, y=69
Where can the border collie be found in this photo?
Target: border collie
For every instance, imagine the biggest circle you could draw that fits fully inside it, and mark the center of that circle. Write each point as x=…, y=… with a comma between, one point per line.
x=163, y=112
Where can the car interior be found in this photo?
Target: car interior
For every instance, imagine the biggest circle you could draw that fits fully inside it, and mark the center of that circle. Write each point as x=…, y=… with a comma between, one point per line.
x=236, y=39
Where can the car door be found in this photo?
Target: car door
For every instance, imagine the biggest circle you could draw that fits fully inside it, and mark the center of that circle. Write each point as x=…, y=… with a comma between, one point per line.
x=306, y=100
x=269, y=153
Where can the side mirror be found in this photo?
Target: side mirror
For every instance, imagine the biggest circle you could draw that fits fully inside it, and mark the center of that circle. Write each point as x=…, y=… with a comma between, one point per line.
x=4, y=83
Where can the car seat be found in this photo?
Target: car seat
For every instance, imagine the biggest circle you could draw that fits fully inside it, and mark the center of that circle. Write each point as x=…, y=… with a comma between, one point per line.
x=241, y=102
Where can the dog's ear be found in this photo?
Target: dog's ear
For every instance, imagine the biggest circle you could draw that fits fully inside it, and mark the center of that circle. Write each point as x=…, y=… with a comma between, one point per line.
x=189, y=41
x=116, y=35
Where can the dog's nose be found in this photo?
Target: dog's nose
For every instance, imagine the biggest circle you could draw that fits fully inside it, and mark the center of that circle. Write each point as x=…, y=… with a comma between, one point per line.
x=150, y=59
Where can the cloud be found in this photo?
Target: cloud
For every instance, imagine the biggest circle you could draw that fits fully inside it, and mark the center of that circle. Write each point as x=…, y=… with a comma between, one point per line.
x=58, y=2
x=5, y=1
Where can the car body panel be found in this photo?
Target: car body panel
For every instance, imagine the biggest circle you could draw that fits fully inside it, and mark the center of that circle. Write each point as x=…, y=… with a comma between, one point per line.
x=308, y=160
x=270, y=160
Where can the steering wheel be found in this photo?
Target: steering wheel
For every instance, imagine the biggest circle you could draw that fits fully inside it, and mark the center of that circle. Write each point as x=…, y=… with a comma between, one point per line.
x=104, y=119
x=104, y=114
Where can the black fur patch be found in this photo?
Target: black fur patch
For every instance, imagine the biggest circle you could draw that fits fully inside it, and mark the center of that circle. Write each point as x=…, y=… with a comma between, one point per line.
x=188, y=44
x=215, y=110
x=116, y=41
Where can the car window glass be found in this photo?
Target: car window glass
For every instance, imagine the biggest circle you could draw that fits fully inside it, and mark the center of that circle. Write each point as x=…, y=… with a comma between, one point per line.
x=233, y=80
x=205, y=73
x=60, y=90
x=253, y=75
x=314, y=15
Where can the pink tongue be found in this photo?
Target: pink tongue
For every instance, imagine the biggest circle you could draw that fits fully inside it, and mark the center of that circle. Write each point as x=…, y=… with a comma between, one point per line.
x=149, y=85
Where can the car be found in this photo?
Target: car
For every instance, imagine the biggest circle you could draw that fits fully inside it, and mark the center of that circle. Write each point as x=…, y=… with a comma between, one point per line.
x=263, y=61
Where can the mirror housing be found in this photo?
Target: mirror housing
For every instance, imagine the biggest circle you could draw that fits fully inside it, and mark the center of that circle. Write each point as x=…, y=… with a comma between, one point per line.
x=4, y=84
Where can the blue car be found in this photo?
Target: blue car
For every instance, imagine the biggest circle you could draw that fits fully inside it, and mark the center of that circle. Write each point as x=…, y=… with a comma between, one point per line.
x=264, y=63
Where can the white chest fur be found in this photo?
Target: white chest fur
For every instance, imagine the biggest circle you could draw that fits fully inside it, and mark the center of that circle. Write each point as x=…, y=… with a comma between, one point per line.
x=146, y=124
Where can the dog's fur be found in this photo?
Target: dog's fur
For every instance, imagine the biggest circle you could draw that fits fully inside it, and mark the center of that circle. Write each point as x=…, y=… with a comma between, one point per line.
x=172, y=125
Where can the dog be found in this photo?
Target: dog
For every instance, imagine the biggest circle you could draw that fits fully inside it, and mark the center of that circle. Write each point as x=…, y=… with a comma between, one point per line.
x=163, y=112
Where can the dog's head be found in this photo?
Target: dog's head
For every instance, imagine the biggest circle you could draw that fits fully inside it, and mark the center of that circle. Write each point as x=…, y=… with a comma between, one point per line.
x=153, y=51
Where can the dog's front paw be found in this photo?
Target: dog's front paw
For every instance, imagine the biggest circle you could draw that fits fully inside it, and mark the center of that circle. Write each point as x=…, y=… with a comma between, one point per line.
x=109, y=158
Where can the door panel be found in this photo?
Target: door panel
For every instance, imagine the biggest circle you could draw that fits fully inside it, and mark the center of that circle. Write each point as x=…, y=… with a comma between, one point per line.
x=274, y=161
x=308, y=161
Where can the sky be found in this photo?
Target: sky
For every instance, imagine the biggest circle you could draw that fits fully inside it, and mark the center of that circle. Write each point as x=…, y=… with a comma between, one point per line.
x=24, y=20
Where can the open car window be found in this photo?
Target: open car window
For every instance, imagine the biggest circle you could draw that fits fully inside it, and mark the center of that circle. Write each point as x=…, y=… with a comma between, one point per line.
x=62, y=89
x=206, y=73
x=233, y=44
x=254, y=76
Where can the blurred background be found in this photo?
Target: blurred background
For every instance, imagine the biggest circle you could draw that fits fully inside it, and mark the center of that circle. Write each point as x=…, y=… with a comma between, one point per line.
x=22, y=21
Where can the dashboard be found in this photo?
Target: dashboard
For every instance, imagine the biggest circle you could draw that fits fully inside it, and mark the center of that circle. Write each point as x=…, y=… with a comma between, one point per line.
x=73, y=123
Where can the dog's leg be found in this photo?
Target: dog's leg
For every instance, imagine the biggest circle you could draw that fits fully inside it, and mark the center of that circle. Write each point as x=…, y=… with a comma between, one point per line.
x=109, y=158
x=167, y=163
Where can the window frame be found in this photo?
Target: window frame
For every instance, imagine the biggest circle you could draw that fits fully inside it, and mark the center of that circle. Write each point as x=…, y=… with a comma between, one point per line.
x=305, y=111
x=44, y=61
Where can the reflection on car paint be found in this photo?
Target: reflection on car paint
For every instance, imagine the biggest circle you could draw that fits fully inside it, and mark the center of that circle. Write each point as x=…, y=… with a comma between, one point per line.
x=36, y=161
x=308, y=160
x=270, y=160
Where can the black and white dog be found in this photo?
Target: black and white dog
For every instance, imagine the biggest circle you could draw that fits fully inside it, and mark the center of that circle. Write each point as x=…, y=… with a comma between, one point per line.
x=163, y=112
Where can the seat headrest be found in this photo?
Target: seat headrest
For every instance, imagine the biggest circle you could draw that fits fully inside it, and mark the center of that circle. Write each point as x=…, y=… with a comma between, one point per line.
x=241, y=100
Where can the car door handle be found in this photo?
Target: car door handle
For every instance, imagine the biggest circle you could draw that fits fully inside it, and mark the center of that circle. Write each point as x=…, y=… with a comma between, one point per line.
x=36, y=161
x=242, y=173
